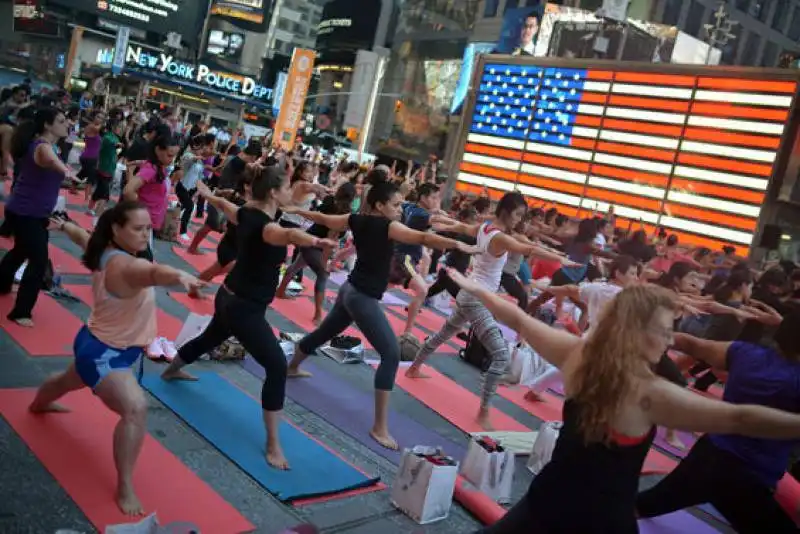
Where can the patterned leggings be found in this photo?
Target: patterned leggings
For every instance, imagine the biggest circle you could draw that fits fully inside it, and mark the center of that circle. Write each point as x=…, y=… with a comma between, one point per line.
x=470, y=310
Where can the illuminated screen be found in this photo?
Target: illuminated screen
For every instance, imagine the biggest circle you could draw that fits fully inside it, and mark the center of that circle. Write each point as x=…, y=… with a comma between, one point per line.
x=693, y=153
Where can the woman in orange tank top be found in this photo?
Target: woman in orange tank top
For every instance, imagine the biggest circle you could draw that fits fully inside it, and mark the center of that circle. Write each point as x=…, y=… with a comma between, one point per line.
x=121, y=325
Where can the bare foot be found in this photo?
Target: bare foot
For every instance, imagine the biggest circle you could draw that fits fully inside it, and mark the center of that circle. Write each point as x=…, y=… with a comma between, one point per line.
x=178, y=375
x=485, y=421
x=27, y=323
x=532, y=396
x=297, y=373
x=53, y=407
x=316, y=320
x=195, y=251
x=128, y=502
x=276, y=459
x=196, y=294
x=385, y=439
x=415, y=372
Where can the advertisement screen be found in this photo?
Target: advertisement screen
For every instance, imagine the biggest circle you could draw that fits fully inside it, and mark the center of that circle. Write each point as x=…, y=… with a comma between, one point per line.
x=30, y=18
x=689, y=152
x=520, y=31
x=225, y=45
x=346, y=27
x=159, y=16
x=246, y=10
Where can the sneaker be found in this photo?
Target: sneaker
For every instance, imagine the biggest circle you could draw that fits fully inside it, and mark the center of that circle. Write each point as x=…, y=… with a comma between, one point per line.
x=294, y=287
x=185, y=237
x=168, y=348
x=155, y=351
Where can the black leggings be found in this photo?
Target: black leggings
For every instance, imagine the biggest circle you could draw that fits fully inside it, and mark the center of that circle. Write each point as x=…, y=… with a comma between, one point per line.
x=312, y=257
x=709, y=474
x=443, y=283
x=30, y=243
x=245, y=320
x=296, y=253
x=187, y=205
x=514, y=287
x=354, y=306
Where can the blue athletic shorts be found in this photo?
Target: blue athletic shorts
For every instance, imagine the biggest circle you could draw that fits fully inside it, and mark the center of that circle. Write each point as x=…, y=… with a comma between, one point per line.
x=94, y=360
x=525, y=274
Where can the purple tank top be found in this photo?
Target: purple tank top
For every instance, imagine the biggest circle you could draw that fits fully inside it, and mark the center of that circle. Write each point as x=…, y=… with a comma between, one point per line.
x=92, y=148
x=36, y=189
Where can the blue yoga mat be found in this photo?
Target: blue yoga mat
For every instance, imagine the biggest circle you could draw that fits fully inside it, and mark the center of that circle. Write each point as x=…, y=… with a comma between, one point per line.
x=232, y=421
x=351, y=410
x=675, y=523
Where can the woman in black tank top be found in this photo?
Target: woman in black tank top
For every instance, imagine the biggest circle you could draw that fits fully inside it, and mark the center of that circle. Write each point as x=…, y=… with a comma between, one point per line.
x=242, y=301
x=614, y=401
x=374, y=234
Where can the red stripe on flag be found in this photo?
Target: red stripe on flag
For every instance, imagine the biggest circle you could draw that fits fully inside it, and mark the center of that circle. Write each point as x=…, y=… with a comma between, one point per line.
x=740, y=112
x=729, y=138
x=642, y=127
x=740, y=84
x=599, y=75
x=649, y=103
x=488, y=150
x=553, y=161
x=649, y=78
x=724, y=164
x=636, y=151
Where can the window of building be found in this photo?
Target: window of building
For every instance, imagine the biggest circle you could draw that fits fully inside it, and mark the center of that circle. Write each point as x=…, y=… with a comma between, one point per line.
x=770, y=57
x=781, y=11
x=490, y=9
x=760, y=10
x=695, y=20
x=750, y=49
x=729, y=50
x=672, y=10
x=794, y=28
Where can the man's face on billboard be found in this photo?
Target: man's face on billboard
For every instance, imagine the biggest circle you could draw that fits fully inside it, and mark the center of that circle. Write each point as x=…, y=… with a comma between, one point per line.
x=529, y=29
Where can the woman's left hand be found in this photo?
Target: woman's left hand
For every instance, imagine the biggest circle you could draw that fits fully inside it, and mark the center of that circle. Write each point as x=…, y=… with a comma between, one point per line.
x=327, y=243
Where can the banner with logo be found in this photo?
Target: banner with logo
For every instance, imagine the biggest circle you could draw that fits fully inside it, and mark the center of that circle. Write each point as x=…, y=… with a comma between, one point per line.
x=294, y=97
x=120, y=49
x=75, y=43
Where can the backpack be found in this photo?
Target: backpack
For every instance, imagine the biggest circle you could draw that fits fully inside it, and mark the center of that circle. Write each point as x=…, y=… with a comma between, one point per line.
x=475, y=353
x=409, y=347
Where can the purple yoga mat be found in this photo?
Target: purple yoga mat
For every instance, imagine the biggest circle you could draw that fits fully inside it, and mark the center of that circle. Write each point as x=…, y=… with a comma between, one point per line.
x=675, y=523
x=350, y=410
x=687, y=438
x=340, y=278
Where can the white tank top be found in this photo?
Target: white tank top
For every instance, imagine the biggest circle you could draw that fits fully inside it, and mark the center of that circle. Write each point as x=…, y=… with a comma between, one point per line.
x=486, y=267
x=294, y=218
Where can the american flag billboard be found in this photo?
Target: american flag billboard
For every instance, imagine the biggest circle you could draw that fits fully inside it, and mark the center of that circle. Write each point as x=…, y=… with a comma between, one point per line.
x=690, y=149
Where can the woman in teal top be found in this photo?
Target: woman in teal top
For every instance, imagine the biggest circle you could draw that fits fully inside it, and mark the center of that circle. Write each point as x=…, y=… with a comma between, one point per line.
x=107, y=166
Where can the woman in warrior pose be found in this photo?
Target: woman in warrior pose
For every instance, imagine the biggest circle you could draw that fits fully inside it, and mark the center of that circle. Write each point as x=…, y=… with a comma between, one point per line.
x=121, y=325
x=375, y=233
x=614, y=403
x=242, y=301
x=494, y=244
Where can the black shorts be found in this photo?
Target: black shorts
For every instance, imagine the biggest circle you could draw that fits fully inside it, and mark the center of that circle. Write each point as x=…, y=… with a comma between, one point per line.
x=102, y=190
x=88, y=170
x=398, y=274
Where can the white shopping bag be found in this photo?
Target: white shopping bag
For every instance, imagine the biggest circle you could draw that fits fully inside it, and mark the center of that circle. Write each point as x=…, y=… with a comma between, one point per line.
x=422, y=489
x=543, y=446
x=491, y=472
x=74, y=156
x=192, y=327
x=150, y=525
x=521, y=355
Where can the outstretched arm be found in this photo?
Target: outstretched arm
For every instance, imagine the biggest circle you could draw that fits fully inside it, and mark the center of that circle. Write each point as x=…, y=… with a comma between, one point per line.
x=275, y=234
x=224, y=205
x=403, y=234
x=553, y=345
x=675, y=407
x=75, y=233
x=336, y=223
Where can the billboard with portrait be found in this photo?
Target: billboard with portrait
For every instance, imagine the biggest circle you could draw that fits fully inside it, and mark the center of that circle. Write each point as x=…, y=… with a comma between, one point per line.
x=520, y=31
x=225, y=45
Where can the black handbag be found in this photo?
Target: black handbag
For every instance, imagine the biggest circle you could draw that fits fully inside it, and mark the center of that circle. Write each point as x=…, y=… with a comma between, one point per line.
x=475, y=353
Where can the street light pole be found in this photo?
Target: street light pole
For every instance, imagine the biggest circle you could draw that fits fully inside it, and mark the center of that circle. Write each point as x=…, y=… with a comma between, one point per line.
x=721, y=32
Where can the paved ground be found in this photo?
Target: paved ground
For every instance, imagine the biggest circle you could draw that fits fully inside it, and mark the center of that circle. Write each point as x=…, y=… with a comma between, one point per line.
x=31, y=501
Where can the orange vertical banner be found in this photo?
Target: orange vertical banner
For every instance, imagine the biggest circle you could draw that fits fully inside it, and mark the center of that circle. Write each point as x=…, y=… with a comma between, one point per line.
x=294, y=97
x=77, y=35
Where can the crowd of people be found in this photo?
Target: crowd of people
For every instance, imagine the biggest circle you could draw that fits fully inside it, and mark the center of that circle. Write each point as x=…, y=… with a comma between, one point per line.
x=604, y=303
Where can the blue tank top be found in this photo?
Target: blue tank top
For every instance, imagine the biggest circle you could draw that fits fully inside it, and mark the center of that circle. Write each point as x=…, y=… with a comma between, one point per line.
x=36, y=189
x=760, y=375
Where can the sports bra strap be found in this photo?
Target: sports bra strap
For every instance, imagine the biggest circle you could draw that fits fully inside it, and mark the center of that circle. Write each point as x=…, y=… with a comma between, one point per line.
x=108, y=254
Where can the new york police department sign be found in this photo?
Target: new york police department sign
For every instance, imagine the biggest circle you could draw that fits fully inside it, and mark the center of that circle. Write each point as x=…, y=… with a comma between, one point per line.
x=178, y=71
